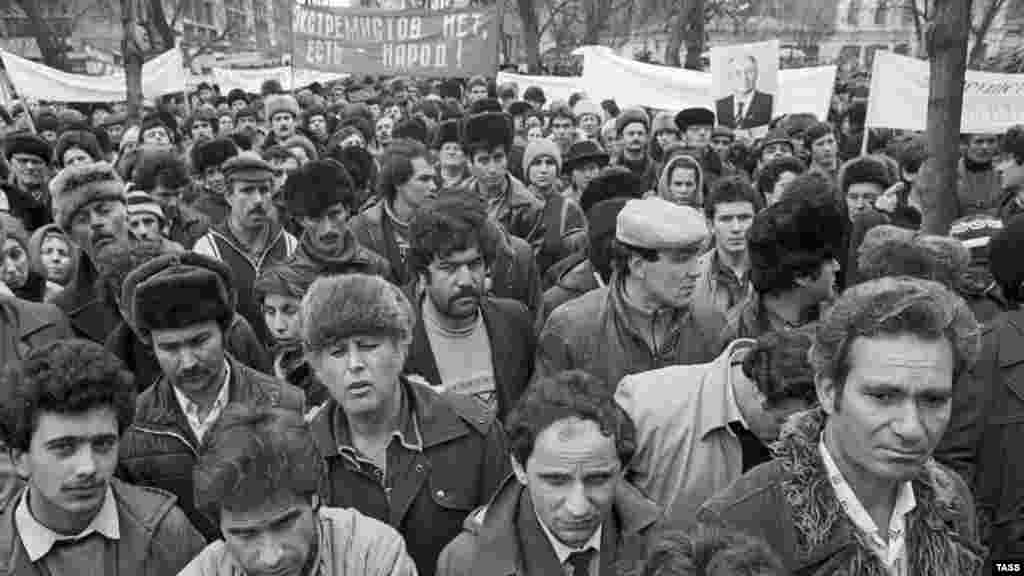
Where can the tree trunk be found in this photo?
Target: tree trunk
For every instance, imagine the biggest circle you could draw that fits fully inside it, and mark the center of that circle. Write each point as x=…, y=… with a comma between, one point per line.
x=133, y=59
x=978, y=49
x=51, y=46
x=693, y=20
x=947, y=44
x=531, y=34
x=597, y=15
x=164, y=28
x=676, y=32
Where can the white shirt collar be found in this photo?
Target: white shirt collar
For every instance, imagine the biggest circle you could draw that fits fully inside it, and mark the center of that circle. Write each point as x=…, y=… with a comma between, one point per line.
x=38, y=539
x=200, y=426
x=562, y=551
x=891, y=549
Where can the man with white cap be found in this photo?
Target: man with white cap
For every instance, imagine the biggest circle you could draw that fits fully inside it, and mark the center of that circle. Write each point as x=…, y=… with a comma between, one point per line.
x=642, y=319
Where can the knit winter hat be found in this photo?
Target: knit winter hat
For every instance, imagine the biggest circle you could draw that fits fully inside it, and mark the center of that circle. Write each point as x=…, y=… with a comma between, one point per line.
x=630, y=116
x=140, y=202
x=277, y=103
x=178, y=290
x=339, y=307
x=538, y=148
x=76, y=186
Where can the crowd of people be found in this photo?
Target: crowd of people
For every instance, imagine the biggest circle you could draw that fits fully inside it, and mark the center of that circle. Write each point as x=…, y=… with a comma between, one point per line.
x=398, y=327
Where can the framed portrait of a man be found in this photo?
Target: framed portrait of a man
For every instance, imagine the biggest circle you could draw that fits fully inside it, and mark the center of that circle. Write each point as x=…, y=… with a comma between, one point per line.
x=745, y=80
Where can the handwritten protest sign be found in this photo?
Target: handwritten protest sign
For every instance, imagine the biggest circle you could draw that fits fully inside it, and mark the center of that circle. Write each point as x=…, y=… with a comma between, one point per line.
x=460, y=42
x=899, y=97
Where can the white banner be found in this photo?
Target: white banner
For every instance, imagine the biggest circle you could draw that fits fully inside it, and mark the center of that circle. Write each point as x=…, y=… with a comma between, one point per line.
x=161, y=75
x=250, y=80
x=899, y=97
x=554, y=87
x=632, y=83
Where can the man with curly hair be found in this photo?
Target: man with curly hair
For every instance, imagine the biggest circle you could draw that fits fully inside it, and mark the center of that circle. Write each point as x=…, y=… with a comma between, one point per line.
x=710, y=551
x=63, y=415
x=695, y=440
x=465, y=341
x=567, y=510
x=854, y=487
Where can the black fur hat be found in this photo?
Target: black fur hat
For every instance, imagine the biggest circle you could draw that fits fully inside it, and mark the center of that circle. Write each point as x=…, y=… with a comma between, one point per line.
x=317, y=186
x=612, y=182
x=451, y=88
x=489, y=130
x=794, y=237
x=412, y=128
x=178, y=290
x=449, y=131
x=212, y=153
x=359, y=162
x=485, y=105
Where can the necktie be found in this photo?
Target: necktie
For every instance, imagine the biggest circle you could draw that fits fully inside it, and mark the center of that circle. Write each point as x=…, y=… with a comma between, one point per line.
x=739, y=112
x=580, y=562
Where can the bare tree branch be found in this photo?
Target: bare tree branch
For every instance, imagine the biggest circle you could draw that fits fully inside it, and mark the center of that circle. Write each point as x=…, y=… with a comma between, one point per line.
x=558, y=9
x=178, y=11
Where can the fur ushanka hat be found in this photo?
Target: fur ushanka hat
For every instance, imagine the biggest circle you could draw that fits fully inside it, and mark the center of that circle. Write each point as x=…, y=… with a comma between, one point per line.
x=488, y=130
x=277, y=103
x=74, y=187
x=178, y=290
x=339, y=307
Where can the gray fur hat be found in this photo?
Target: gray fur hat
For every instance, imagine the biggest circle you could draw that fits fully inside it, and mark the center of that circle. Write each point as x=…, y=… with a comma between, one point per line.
x=339, y=307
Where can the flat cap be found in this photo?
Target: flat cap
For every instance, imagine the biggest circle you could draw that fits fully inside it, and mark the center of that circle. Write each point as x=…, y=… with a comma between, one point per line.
x=249, y=167
x=658, y=224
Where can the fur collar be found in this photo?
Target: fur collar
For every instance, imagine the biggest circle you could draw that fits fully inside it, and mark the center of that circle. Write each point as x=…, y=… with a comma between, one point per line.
x=936, y=538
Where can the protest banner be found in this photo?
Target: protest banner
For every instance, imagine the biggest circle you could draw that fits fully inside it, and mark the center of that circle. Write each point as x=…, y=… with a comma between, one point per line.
x=632, y=83
x=162, y=75
x=250, y=80
x=554, y=87
x=899, y=97
x=744, y=83
x=461, y=42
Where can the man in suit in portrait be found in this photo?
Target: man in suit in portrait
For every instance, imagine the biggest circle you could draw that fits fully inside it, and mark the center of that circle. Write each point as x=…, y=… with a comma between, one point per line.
x=747, y=107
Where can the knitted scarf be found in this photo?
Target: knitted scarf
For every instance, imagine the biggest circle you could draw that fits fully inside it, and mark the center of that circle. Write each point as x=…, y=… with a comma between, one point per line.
x=936, y=545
